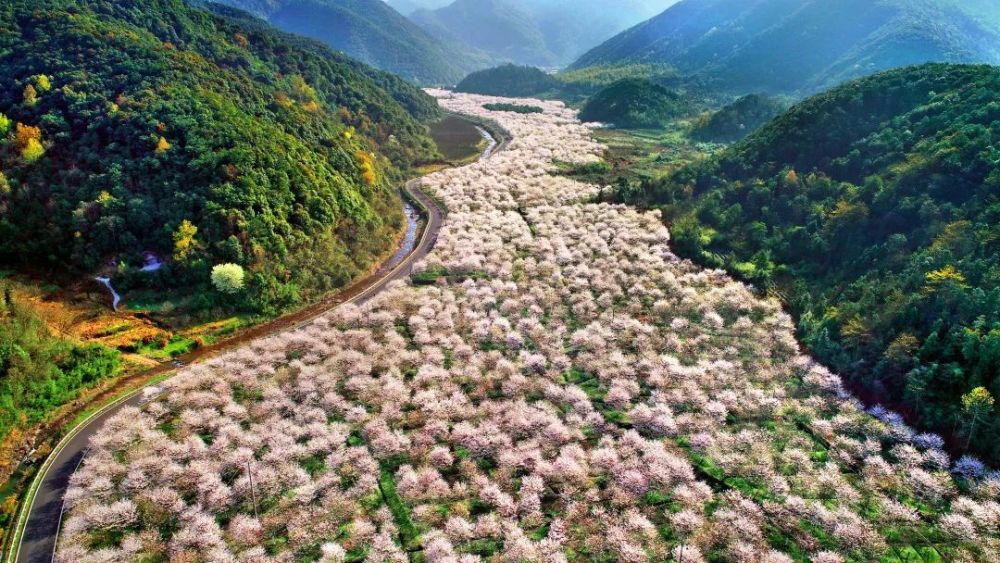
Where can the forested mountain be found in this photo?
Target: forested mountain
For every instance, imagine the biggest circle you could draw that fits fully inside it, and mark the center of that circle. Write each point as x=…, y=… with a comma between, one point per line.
x=509, y=80
x=738, y=119
x=634, y=103
x=802, y=46
x=498, y=27
x=545, y=33
x=151, y=125
x=875, y=209
x=372, y=32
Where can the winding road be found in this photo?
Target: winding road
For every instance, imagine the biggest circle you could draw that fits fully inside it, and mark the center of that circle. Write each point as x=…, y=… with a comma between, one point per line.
x=44, y=516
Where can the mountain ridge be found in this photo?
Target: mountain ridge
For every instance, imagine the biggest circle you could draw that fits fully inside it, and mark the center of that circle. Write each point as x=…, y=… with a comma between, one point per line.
x=372, y=32
x=779, y=46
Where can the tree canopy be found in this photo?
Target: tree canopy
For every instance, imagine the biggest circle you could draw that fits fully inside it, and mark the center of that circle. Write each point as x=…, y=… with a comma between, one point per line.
x=140, y=122
x=873, y=209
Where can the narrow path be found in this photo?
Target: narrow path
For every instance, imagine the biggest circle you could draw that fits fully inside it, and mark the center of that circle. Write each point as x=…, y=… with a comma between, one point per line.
x=41, y=530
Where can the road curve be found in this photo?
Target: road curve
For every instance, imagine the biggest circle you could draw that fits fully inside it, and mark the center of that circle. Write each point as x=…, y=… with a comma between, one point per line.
x=41, y=530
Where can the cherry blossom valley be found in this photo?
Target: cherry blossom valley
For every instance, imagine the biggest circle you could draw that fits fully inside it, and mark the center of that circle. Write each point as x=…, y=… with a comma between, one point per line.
x=553, y=384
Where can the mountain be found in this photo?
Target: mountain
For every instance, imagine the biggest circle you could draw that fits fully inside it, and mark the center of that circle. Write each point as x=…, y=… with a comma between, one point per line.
x=546, y=33
x=497, y=27
x=633, y=103
x=151, y=125
x=372, y=32
x=802, y=46
x=874, y=211
x=407, y=7
x=509, y=80
x=572, y=27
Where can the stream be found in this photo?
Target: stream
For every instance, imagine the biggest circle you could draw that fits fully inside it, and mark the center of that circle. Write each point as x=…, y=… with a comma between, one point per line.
x=491, y=143
x=114, y=294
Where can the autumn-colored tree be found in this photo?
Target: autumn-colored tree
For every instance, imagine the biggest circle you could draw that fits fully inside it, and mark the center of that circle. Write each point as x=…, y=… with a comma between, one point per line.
x=944, y=277
x=302, y=91
x=28, y=140
x=43, y=83
x=25, y=133
x=977, y=405
x=30, y=95
x=162, y=145
x=4, y=124
x=184, y=242
x=367, y=168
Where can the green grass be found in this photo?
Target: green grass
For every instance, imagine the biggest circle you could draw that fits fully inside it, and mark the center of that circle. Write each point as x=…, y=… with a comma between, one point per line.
x=409, y=537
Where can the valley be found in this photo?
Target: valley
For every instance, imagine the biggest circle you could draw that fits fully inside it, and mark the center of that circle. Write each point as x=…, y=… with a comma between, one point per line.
x=533, y=281
x=564, y=385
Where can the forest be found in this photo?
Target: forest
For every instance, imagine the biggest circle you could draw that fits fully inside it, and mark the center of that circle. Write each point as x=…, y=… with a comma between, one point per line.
x=634, y=103
x=738, y=119
x=508, y=80
x=40, y=371
x=872, y=210
x=150, y=125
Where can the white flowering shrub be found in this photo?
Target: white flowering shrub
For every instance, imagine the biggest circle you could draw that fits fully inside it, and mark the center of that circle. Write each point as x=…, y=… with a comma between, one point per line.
x=558, y=387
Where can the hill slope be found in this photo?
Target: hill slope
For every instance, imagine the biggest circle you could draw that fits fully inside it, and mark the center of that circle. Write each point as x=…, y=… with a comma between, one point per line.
x=545, y=33
x=633, y=103
x=497, y=27
x=508, y=80
x=150, y=125
x=793, y=46
x=370, y=31
x=874, y=209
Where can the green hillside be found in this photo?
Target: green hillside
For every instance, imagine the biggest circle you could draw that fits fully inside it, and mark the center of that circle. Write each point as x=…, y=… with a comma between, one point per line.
x=372, y=32
x=874, y=209
x=634, y=103
x=779, y=46
x=738, y=119
x=150, y=125
x=509, y=80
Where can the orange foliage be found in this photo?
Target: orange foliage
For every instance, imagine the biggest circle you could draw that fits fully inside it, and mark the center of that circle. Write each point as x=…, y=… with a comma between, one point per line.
x=25, y=134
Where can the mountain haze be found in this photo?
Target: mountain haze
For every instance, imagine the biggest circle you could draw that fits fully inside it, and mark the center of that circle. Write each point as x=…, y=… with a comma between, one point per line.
x=370, y=31
x=547, y=33
x=802, y=46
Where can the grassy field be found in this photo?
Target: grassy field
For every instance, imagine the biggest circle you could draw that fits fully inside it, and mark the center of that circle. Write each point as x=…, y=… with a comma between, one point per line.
x=634, y=156
x=457, y=139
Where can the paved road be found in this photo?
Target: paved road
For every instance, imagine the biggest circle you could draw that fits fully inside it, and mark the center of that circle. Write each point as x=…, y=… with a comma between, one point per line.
x=45, y=515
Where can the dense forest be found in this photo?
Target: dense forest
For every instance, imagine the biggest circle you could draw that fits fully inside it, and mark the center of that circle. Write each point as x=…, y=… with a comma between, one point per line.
x=874, y=210
x=737, y=120
x=372, y=32
x=509, y=80
x=40, y=371
x=150, y=125
x=778, y=46
x=634, y=103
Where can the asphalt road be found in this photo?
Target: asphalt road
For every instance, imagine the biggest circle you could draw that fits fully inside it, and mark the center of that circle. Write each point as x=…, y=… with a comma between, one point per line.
x=45, y=514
